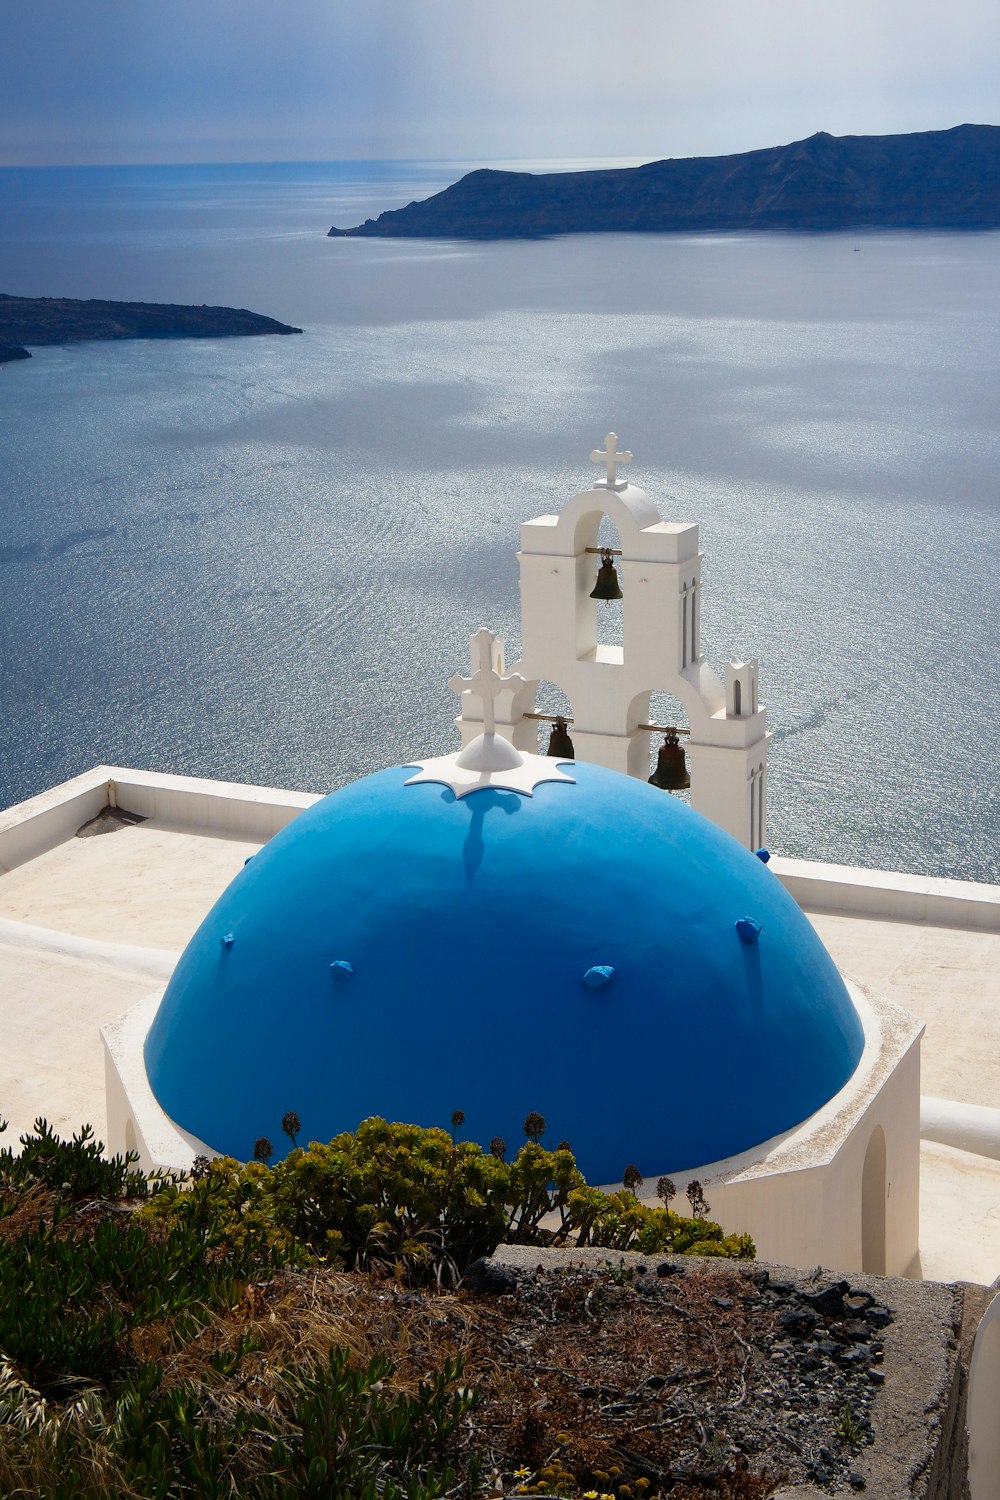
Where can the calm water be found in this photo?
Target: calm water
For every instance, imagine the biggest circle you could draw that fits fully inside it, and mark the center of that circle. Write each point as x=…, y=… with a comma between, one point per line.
x=262, y=559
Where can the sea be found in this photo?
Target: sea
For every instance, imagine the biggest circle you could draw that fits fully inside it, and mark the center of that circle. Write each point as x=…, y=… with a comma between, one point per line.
x=261, y=559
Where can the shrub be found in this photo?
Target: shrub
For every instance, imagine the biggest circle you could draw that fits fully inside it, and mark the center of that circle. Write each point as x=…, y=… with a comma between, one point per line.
x=73, y=1170
x=68, y=1300
x=393, y=1194
x=389, y=1193
x=101, y=1268
x=618, y=1221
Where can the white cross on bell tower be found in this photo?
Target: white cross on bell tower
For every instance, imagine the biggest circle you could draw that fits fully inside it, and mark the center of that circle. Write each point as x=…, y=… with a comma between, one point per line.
x=610, y=456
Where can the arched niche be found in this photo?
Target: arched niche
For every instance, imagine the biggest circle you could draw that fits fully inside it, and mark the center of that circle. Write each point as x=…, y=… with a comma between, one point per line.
x=659, y=707
x=609, y=615
x=630, y=511
x=550, y=698
x=873, y=1195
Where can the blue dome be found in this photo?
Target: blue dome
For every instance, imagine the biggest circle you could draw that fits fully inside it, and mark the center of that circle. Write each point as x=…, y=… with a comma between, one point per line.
x=397, y=951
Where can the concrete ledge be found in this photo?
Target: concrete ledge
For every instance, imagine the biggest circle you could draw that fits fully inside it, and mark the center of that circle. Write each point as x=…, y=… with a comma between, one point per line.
x=252, y=812
x=889, y=894
x=150, y=963
x=967, y=1127
x=191, y=802
x=919, y=1450
x=33, y=827
x=255, y=812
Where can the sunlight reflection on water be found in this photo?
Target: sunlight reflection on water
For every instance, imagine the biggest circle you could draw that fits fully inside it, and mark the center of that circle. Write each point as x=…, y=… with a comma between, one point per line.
x=262, y=559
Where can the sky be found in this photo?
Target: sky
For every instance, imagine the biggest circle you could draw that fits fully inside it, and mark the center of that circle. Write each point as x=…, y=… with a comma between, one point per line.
x=108, y=81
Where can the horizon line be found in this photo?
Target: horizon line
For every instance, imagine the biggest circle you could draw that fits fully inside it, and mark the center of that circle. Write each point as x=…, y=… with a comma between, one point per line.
x=638, y=158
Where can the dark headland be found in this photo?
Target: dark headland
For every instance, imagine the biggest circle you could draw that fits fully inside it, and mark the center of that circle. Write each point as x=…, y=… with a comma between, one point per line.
x=935, y=179
x=62, y=320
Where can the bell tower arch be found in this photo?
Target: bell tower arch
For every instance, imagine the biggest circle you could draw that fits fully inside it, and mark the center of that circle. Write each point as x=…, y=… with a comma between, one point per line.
x=659, y=567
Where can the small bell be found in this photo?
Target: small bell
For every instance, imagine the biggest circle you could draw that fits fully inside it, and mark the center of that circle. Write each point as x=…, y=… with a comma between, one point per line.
x=560, y=744
x=607, y=586
x=671, y=774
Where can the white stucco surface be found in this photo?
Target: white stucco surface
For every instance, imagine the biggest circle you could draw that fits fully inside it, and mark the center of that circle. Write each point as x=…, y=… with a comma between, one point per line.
x=959, y=1215
x=52, y=1060
x=949, y=978
x=87, y=928
x=150, y=884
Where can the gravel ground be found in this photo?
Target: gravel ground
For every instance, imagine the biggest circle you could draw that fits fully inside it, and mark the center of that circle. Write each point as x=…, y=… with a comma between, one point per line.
x=685, y=1375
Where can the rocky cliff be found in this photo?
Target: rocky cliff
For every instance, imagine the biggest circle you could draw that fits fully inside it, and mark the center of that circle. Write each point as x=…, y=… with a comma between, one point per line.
x=62, y=320
x=937, y=179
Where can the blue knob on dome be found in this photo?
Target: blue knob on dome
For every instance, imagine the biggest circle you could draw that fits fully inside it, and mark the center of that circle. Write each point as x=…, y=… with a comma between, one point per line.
x=340, y=972
x=748, y=929
x=599, y=975
x=763, y=855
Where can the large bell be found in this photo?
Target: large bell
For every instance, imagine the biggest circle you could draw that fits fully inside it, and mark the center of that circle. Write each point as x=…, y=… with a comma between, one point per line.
x=560, y=744
x=671, y=774
x=607, y=586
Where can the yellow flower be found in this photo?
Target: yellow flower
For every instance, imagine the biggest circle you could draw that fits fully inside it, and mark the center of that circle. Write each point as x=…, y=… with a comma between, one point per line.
x=590, y=1495
x=521, y=1473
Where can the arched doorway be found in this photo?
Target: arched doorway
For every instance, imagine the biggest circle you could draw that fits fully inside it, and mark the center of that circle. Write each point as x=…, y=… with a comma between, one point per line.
x=873, y=1205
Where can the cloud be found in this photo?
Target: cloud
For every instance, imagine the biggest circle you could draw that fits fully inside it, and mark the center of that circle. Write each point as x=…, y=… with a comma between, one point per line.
x=133, y=80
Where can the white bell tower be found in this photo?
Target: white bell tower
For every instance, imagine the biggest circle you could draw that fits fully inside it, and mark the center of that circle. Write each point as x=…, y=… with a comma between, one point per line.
x=609, y=687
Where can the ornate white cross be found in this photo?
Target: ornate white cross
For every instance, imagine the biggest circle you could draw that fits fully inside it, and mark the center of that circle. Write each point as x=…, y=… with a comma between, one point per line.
x=609, y=455
x=489, y=761
x=485, y=680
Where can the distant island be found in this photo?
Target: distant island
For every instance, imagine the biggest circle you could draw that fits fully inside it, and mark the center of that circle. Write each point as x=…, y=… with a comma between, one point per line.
x=63, y=320
x=935, y=179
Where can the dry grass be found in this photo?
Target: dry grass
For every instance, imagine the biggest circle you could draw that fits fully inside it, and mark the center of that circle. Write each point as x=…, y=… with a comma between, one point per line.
x=32, y=1206
x=586, y=1381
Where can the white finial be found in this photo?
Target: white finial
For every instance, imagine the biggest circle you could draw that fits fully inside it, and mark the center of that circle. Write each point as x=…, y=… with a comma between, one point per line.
x=609, y=455
x=489, y=760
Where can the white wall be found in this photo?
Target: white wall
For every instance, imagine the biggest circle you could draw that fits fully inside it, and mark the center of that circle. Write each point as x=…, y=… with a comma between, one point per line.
x=136, y=1121
x=800, y=1195
x=983, y=1418
x=30, y=828
x=889, y=894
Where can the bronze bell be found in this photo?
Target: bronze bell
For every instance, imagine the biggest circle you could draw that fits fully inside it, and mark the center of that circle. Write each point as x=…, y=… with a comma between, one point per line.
x=607, y=586
x=671, y=774
x=560, y=744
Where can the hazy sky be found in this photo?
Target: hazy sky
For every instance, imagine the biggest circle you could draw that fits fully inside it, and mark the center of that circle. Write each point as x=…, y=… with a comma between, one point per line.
x=258, y=80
